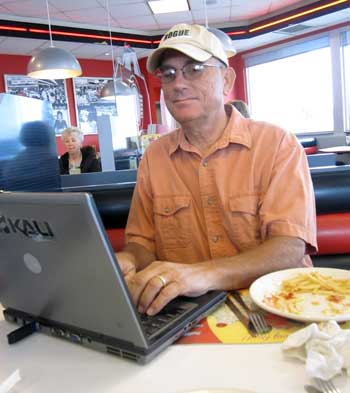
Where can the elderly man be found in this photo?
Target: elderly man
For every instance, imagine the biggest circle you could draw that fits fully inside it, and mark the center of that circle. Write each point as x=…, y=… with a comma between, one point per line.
x=219, y=201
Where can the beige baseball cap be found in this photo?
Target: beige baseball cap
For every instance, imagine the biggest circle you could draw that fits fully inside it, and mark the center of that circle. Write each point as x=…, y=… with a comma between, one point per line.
x=194, y=41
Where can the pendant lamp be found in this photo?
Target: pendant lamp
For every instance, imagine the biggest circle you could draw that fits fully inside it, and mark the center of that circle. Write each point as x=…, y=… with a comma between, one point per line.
x=113, y=88
x=52, y=62
x=116, y=86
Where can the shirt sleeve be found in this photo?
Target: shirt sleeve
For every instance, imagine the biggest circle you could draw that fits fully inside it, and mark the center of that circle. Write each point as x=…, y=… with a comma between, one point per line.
x=288, y=206
x=140, y=226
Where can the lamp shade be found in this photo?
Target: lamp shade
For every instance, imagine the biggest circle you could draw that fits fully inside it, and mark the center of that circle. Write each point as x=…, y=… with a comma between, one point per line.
x=115, y=88
x=53, y=63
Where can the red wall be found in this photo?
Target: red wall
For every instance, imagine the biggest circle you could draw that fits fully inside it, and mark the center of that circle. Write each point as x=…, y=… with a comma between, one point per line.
x=239, y=91
x=14, y=64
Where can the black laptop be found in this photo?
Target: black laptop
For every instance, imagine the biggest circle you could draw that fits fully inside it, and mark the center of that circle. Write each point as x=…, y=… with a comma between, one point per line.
x=59, y=276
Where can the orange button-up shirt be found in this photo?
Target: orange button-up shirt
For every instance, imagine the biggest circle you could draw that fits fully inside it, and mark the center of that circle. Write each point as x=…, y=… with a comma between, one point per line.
x=252, y=185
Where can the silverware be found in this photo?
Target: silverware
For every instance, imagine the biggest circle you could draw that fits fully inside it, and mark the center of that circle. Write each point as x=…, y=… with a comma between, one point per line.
x=257, y=319
x=326, y=386
x=241, y=317
x=311, y=389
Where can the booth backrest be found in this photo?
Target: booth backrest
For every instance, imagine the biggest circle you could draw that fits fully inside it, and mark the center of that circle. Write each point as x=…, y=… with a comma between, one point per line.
x=332, y=193
x=332, y=190
x=309, y=145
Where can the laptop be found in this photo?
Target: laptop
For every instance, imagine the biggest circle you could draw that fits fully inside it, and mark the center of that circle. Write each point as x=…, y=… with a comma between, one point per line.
x=59, y=275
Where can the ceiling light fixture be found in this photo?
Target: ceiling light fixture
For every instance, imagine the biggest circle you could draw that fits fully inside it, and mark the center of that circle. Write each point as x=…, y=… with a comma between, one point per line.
x=12, y=28
x=52, y=62
x=168, y=6
x=92, y=36
x=115, y=86
x=302, y=14
x=297, y=15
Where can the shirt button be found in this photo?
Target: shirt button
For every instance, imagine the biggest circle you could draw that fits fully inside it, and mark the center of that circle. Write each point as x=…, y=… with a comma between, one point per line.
x=167, y=210
x=215, y=239
x=210, y=201
x=205, y=164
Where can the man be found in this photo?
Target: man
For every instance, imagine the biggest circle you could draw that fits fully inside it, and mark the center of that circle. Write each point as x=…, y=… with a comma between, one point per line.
x=223, y=199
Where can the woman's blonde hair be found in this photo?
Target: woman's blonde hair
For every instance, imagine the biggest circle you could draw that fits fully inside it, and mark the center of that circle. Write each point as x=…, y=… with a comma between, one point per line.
x=73, y=130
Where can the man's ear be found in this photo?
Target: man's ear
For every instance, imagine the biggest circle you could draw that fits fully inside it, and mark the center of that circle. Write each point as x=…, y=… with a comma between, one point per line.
x=229, y=80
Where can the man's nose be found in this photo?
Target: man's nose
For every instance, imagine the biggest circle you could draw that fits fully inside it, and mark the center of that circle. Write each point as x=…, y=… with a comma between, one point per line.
x=179, y=79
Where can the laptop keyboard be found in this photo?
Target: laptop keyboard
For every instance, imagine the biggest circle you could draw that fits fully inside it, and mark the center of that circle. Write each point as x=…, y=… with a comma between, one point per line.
x=155, y=324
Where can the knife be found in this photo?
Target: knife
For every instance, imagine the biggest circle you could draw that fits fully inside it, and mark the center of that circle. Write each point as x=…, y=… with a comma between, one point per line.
x=241, y=317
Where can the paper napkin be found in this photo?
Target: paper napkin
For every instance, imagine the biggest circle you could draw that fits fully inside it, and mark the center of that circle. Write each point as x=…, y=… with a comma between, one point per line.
x=324, y=347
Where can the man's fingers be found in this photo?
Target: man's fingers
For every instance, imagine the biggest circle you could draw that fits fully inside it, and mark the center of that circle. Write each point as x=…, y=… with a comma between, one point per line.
x=165, y=295
x=128, y=276
x=151, y=290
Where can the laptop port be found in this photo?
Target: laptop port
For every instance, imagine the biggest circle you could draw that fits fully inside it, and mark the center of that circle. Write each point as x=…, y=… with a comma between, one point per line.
x=74, y=337
x=88, y=339
x=58, y=332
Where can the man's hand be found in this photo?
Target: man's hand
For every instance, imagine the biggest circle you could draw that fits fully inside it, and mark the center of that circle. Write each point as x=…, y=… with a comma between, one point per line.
x=126, y=263
x=160, y=282
x=154, y=284
x=134, y=257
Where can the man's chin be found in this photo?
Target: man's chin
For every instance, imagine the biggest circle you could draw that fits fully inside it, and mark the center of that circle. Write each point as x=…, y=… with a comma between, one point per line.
x=185, y=118
x=183, y=115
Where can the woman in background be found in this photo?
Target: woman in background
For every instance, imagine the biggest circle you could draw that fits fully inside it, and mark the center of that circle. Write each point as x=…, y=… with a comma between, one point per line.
x=78, y=159
x=242, y=107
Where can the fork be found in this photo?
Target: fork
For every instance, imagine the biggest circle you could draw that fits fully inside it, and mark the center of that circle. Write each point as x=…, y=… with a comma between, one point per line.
x=326, y=386
x=257, y=320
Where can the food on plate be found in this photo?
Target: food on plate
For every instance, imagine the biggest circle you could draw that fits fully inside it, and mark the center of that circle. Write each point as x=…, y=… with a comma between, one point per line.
x=312, y=290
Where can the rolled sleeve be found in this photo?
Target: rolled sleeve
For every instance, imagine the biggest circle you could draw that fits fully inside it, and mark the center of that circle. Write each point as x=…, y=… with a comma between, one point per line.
x=288, y=206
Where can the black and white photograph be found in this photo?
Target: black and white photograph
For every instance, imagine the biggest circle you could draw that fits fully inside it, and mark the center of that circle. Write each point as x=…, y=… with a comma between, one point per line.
x=88, y=103
x=53, y=91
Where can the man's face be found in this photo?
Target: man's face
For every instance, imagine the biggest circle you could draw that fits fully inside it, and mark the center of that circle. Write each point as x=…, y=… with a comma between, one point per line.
x=188, y=99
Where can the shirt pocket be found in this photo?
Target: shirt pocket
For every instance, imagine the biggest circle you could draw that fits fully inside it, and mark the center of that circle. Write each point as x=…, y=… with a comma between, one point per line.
x=243, y=222
x=172, y=221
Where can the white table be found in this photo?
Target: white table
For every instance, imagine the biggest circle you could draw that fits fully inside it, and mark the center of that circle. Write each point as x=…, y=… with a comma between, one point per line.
x=335, y=149
x=52, y=365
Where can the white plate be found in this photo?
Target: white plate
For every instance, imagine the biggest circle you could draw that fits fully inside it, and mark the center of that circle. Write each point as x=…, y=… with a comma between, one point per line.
x=271, y=283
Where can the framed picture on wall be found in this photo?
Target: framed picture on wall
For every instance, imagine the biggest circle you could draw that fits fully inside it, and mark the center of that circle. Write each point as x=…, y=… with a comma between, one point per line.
x=88, y=103
x=54, y=91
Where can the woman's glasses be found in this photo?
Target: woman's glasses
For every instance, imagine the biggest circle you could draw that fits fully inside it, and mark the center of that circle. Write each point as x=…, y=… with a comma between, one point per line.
x=190, y=71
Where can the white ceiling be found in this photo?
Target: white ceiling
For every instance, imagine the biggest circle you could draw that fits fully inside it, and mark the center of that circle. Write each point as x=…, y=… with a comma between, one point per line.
x=135, y=16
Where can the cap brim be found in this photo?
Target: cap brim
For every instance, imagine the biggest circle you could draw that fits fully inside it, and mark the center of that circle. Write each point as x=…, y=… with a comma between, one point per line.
x=230, y=52
x=188, y=50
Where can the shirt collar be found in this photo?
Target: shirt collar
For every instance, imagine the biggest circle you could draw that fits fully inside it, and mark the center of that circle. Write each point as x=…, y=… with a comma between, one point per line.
x=236, y=131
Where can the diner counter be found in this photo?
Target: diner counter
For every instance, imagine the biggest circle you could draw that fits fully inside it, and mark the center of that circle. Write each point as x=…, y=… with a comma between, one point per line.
x=51, y=365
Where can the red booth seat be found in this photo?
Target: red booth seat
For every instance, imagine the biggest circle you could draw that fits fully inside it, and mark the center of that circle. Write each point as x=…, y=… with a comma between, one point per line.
x=116, y=238
x=311, y=150
x=333, y=233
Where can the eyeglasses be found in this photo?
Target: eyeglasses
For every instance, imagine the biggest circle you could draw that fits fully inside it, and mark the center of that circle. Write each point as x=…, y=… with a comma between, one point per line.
x=190, y=71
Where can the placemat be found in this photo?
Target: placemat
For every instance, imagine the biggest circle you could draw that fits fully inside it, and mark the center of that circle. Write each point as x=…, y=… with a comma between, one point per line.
x=222, y=326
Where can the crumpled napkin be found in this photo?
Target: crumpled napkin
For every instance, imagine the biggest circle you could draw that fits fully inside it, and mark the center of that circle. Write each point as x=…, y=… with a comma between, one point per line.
x=324, y=347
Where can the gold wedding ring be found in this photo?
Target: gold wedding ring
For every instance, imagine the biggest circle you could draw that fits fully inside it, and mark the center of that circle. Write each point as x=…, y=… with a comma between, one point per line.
x=162, y=279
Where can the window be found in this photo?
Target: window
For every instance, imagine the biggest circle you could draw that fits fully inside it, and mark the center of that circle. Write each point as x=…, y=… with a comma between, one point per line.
x=345, y=48
x=293, y=85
